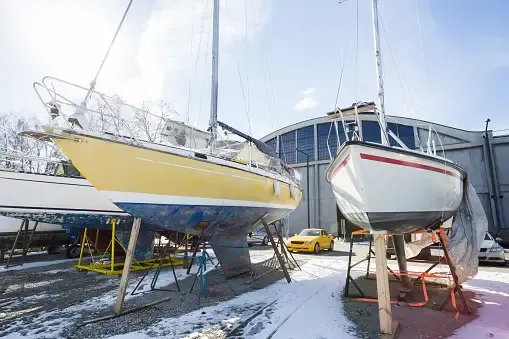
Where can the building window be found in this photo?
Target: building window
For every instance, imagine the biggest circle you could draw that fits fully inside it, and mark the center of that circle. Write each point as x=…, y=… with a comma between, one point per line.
x=287, y=147
x=306, y=143
x=371, y=131
x=272, y=143
x=322, y=132
x=405, y=133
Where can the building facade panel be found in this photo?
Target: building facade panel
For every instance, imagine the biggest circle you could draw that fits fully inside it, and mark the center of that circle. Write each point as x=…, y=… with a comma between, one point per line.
x=501, y=158
x=287, y=146
x=272, y=143
x=306, y=143
x=472, y=161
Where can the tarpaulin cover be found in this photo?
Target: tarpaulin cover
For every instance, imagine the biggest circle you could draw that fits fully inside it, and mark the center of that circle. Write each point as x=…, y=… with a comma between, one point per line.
x=466, y=235
x=464, y=238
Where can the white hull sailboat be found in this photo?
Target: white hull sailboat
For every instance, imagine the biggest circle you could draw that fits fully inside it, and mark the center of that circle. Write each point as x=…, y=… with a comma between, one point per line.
x=385, y=188
x=59, y=195
x=56, y=200
x=10, y=227
x=418, y=190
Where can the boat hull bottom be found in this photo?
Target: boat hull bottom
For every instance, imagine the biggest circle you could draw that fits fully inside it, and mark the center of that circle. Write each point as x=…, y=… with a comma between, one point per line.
x=209, y=221
x=67, y=218
x=144, y=249
x=225, y=227
x=398, y=222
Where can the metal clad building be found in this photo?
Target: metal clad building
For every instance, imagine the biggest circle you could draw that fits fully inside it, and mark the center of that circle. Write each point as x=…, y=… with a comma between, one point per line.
x=483, y=155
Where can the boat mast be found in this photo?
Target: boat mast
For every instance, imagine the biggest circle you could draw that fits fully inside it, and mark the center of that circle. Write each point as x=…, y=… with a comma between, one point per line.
x=214, y=87
x=379, y=73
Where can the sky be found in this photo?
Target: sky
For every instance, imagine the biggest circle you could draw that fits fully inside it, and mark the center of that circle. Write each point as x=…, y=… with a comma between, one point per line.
x=280, y=61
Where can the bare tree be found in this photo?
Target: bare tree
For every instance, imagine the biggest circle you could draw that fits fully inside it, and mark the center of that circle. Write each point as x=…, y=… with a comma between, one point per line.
x=21, y=153
x=151, y=124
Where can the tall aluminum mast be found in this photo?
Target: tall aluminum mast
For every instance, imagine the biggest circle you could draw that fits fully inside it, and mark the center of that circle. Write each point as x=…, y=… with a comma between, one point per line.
x=379, y=73
x=215, y=62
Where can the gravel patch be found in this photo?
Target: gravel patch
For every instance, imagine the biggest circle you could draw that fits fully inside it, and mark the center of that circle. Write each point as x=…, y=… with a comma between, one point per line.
x=54, y=301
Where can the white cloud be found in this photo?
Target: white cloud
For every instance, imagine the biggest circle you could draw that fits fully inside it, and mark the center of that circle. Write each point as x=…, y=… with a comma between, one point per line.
x=155, y=53
x=308, y=91
x=306, y=103
x=174, y=33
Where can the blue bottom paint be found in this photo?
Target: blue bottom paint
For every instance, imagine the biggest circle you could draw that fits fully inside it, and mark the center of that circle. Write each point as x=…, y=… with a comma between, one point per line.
x=226, y=231
x=79, y=220
x=144, y=245
x=223, y=220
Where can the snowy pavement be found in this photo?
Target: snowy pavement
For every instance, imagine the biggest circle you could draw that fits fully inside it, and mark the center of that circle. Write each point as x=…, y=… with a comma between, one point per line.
x=309, y=307
x=285, y=307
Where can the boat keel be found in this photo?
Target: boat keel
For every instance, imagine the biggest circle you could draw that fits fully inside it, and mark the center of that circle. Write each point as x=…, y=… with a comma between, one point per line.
x=232, y=253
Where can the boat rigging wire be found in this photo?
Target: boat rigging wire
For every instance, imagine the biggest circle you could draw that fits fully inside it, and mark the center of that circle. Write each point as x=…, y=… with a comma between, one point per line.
x=271, y=97
x=246, y=102
x=267, y=80
x=205, y=59
x=344, y=57
x=422, y=49
x=93, y=83
x=191, y=53
x=399, y=68
x=195, y=73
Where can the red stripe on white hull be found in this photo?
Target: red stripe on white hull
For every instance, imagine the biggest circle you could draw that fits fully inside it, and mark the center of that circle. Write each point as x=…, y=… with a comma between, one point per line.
x=408, y=164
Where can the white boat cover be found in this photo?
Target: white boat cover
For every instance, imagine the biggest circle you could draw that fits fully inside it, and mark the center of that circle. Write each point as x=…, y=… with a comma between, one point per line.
x=464, y=238
x=467, y=234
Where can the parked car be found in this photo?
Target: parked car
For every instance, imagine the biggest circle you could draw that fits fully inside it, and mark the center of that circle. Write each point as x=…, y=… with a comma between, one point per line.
x=502, y=237
x=258, y=237
x=311, y=240
x=491, y=251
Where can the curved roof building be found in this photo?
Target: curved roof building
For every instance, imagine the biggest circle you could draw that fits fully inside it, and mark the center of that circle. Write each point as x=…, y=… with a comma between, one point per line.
x=482, y=154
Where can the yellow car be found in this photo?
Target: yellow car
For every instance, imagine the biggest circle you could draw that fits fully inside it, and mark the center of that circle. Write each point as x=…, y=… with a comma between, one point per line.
x=311, y=240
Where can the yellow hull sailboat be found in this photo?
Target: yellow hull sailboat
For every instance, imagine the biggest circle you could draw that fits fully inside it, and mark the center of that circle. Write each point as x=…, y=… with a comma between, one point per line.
x=179, y=189
x=210, y=192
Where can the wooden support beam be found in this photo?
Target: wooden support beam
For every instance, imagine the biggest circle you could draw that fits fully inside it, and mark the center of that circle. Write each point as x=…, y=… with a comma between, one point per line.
x=119, y=306
x=382, y=285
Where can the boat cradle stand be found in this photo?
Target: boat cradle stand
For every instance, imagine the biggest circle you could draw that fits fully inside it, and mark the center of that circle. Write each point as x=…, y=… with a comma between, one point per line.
x=454, y=289
x=283, y=259
x=104, y=261
x=27, y=235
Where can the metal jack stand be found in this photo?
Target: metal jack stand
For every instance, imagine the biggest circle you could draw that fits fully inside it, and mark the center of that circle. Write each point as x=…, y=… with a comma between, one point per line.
x=276, y=251
x=292, y=263
x=27, y=238
x=158, y=271
x=368, y=257
x=265, y=267
x=202, y=270
x=457, y=287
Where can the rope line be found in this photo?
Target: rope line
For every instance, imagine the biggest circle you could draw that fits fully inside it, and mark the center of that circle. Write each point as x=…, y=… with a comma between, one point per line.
x=93, y=83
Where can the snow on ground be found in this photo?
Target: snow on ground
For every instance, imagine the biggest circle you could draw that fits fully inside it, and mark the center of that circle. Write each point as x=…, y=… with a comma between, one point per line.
x=312, y=297
x=52, y=324
x=309, y=307
x=34, y=264
x=492, y=290
x=59, y=271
